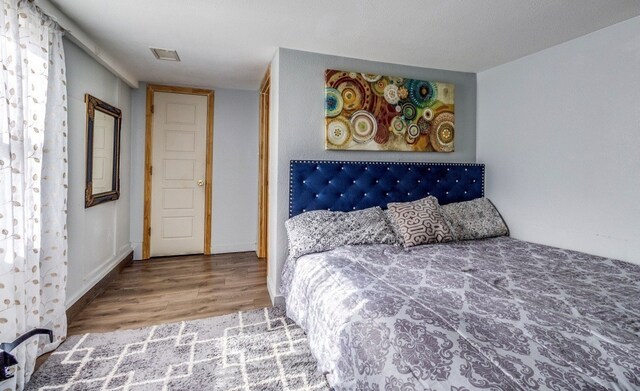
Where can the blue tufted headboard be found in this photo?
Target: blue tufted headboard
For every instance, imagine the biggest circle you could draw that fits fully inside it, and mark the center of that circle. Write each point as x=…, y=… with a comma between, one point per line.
x=345, y=185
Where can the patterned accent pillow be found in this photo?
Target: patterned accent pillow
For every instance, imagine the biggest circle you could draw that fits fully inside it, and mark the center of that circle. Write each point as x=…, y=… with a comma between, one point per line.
x=322, y=230
x=419, y=222
x=475, y=219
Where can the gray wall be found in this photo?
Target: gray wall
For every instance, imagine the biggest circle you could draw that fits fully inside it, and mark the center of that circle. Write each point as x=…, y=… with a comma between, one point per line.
x=297, y=130
x=559, y=131
x=98, y=236
x=235, y=170
x=138, y=112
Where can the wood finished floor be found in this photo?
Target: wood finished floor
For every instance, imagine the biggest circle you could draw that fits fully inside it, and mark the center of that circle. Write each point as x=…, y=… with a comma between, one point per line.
x=164, y=290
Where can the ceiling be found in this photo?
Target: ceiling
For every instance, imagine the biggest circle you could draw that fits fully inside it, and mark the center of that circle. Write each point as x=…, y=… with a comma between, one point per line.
x=228, y=44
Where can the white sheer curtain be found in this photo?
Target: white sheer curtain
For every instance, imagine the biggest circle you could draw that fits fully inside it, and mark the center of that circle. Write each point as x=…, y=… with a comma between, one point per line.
x=33, y=181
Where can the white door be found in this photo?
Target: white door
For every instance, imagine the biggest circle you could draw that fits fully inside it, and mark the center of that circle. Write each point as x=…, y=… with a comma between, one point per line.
x=178, y=174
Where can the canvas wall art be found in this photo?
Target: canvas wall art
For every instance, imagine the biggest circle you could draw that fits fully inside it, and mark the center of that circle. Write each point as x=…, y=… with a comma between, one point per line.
x=385, y=113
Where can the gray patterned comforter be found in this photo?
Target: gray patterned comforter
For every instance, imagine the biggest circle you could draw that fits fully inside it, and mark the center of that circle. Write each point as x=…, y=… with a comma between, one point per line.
x=498, y=314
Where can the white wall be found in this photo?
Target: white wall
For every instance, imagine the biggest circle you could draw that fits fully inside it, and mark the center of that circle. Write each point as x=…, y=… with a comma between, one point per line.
x=297, y=128
x=559, y=131
x=235, y=170
x=98, y=236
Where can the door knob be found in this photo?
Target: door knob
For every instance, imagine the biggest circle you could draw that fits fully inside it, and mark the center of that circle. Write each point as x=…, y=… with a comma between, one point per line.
x=200, y=182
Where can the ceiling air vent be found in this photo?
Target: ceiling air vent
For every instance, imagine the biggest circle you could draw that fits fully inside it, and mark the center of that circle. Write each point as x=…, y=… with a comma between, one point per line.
x=165, y=54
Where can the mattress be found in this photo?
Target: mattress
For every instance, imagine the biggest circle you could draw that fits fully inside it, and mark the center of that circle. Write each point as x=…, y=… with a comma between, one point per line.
x=498, y=314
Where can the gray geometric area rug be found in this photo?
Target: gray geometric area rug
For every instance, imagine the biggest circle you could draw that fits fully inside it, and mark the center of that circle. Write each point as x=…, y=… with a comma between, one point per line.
x=253, y=350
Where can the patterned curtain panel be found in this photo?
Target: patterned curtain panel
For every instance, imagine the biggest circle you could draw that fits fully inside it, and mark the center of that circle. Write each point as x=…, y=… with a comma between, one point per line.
x=33, y=182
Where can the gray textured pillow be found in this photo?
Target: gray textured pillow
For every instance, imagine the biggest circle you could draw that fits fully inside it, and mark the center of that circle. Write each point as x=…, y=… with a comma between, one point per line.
x=322, y=230
x=419, y=222
x=475, y=219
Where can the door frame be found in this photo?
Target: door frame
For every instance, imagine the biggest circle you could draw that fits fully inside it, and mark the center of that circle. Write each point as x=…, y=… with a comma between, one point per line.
x=262, y=248
x=148, y=159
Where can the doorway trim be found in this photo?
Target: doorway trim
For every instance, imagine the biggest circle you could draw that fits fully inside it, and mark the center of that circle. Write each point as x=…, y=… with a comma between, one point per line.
x=148, y=159
x=262, y=248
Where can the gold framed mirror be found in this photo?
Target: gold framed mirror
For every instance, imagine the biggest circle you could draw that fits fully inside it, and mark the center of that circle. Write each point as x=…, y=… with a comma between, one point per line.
x=103, y=152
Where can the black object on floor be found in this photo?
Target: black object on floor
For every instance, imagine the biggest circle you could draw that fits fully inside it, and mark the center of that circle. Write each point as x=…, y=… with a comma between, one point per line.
x=8, y=360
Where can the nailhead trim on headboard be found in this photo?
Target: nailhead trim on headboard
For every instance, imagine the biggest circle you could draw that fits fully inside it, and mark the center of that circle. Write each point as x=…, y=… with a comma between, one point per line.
x=344, y=185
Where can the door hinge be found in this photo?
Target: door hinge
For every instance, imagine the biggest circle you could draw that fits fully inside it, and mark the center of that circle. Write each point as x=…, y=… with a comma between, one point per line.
x=153, y=108
x=150, y=170
x=149, y=231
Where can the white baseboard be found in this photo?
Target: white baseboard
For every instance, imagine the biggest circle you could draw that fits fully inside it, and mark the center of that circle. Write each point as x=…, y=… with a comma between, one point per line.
x=98, y=275
x=274, y=293
x=232, y=248
x=137, y=250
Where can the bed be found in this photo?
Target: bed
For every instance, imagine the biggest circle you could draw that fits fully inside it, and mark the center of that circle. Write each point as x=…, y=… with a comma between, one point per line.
x=496, y=313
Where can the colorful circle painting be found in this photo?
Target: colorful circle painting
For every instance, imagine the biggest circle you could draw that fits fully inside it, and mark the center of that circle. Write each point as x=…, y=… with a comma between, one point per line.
x=365, y=111
x=363, y=126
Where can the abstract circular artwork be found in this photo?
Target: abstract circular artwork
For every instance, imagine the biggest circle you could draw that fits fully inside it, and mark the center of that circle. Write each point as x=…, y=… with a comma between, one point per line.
x=372, y=112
